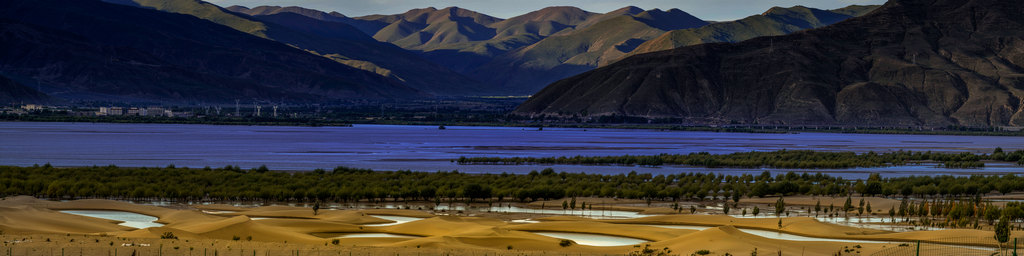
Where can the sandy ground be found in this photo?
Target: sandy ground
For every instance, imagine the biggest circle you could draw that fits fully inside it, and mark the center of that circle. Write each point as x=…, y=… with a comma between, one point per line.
x=35, y=227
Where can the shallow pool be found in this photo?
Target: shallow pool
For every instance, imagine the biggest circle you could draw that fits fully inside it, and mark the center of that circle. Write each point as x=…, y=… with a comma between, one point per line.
x=771, y=234
x=397, y=220
x=129, y=219
x=594, y=239
x=373, y=235
x=594, y=214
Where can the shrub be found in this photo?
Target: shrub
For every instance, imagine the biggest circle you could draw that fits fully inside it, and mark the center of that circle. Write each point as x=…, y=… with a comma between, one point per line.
x=648, y=251
x=565, y=243
x=702, y=252
x=236, y=238
x=168, y=235
x=335, y=241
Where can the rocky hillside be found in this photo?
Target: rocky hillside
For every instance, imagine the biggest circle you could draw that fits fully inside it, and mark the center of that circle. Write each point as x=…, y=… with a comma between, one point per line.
x=909, y=63
x=326, y=34
x=91, y=50
x=774, y=22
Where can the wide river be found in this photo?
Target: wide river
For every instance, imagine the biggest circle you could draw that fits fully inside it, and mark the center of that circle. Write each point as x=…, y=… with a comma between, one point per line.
x=426, y=148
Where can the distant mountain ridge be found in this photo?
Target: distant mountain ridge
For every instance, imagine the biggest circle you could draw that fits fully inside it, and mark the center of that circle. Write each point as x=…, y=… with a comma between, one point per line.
x=528, y=69
x=444, y=52
x=520, y=55
x=324, y=34
x=90, y=50
x=774, y=22
x=930, y=63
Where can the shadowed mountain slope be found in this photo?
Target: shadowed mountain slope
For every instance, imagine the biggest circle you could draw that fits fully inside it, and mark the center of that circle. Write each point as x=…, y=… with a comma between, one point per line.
x=909, y=63
x=776, y=21
x=529, y=68
x=13, y=92
x=328, y=35
x=91, y=50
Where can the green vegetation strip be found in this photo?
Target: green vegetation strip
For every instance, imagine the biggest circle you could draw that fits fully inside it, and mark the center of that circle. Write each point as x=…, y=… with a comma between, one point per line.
x=351, y=185
x=800, y=159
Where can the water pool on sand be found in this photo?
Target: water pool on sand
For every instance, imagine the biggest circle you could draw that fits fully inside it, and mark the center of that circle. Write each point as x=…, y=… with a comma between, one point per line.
x=129, y=219
x=593, y=239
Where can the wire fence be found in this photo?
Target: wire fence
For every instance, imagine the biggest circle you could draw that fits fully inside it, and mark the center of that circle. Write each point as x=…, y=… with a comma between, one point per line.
x=967, y=246
x=185, y=251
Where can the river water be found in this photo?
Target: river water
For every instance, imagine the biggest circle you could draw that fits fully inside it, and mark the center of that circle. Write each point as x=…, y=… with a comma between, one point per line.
x=426, y=148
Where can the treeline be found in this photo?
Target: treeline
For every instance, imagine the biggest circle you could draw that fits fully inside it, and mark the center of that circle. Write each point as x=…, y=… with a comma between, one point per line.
x=212, y=120
x=967, y=213
x=794, y=159
x=350, y=185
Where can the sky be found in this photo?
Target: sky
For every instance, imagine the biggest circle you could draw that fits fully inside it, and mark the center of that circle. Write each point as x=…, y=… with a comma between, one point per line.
x=715, y=10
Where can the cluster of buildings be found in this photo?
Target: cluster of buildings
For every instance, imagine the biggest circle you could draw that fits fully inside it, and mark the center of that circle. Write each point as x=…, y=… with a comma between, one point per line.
x=101, y=111
x=30, y=108
x=136, y=111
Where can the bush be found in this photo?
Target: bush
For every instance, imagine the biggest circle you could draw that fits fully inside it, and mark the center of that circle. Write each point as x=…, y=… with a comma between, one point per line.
x=648, y=251
x=236, y=238
x=335, y=241
x=565, y=243
x=702, y=252
x=168, y=235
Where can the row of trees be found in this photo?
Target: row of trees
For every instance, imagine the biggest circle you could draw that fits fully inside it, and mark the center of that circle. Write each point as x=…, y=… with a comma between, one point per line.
x=347, y=184
x=802, y=159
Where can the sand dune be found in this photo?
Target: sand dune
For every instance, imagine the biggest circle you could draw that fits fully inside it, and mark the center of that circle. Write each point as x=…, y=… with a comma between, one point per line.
x=297, y=225
x=29, y=219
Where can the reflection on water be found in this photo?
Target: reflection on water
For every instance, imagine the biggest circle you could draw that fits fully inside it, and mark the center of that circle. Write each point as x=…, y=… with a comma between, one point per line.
x=129, y=219
x=592, y=239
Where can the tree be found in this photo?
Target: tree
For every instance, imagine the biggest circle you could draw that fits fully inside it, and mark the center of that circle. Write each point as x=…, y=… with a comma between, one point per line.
x=693, y=209
x=725, y=208
x=892, y=214
x=780, y=206
x=565, y=205
x=860, y=209
x=316, y=207
x=572, y=204
x=1003, y=230
x=848, y=206
x=992, y=213
x=473, y=190
x=744, y=214
x=756, y=211
x=817, y=208
x=868, y=206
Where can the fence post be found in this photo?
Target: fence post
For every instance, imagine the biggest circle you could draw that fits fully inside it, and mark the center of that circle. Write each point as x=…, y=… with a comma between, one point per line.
x=918, y=248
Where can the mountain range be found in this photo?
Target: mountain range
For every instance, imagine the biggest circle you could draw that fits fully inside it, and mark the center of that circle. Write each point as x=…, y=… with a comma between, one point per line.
x=522, y=54
x=95, y=51
x=908, y=63
x=281, y=51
